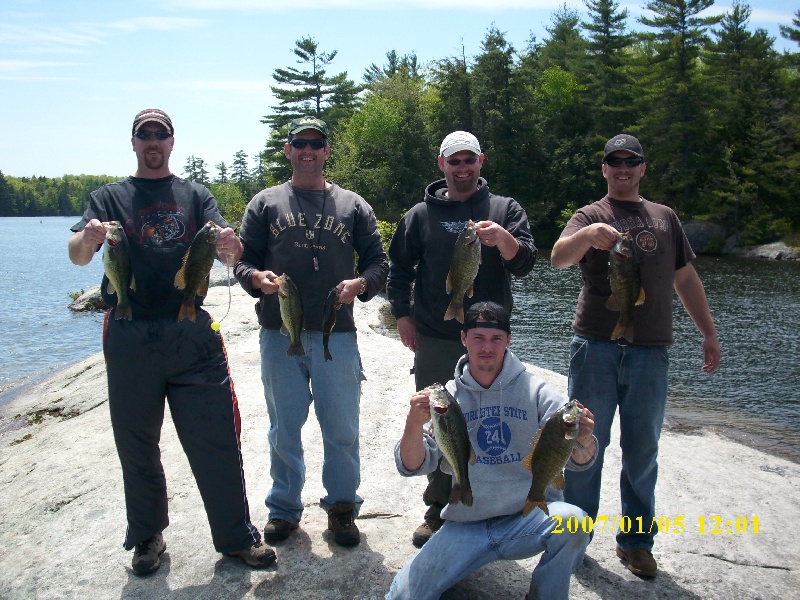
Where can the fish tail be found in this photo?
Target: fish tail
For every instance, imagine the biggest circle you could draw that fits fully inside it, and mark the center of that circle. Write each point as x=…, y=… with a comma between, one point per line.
x=455, y=311
x=187, y=312
x=123, y=311
x=532, y=504
x=622, y=330
x=466, y=495
x=296, y=349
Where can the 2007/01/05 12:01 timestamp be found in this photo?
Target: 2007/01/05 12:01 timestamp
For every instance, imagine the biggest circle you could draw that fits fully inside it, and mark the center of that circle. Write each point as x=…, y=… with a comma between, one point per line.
x=678, y=525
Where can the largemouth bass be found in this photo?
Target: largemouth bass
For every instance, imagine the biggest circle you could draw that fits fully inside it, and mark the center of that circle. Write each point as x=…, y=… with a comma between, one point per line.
x=117, y=266
x=464, y=266
x=332, y=305
x=625, y=277
x=291, y=314
x=550, y=451
x=450, y=431
x=192, y=277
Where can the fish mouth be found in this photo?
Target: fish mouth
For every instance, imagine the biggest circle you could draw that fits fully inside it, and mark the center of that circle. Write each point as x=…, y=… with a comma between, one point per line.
x=440, y=409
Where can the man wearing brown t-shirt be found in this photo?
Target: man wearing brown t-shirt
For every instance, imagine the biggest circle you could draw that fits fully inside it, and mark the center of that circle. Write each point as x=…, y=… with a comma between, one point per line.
x=605, y=373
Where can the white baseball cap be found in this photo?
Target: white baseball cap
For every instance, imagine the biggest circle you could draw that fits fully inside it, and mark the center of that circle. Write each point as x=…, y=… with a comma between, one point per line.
x=459, y=141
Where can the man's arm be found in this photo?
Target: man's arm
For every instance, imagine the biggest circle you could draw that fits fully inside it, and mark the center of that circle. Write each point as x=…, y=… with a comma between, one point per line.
x=693, y=296
x=569, y=250
x=412, y=444
x=83, y=244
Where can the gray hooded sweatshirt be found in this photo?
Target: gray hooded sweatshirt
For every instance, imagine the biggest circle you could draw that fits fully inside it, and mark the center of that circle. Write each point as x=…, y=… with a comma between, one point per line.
x=502, y=421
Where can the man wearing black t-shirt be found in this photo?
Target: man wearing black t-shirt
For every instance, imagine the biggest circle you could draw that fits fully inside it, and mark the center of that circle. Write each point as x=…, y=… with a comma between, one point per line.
x=152, y=355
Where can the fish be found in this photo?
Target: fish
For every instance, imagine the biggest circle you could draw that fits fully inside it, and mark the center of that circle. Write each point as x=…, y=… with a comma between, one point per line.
x=291, y=313
x=332, y=305
x=464, y=266
x=117, y=266
x=192, y=277
x=625, y=277
x=452, y=437
x=550, y=450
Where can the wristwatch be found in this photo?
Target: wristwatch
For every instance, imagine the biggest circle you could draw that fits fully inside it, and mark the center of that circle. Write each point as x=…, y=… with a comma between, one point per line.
x=363, y=287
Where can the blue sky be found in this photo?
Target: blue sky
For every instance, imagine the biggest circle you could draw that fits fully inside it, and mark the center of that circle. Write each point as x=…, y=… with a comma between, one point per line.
x=73, y=74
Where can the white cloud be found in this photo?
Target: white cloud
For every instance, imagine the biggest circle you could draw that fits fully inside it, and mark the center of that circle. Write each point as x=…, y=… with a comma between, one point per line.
x=158, y=23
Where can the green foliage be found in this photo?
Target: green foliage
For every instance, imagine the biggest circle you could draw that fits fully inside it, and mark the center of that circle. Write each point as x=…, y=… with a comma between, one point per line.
x=387, y=230
x=45, y=196
x=231, y=201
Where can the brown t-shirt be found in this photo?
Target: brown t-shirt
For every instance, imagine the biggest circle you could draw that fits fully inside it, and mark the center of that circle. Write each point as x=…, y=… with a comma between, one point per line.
x=662, y=249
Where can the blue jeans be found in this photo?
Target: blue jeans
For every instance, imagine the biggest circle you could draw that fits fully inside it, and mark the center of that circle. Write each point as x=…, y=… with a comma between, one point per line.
x=459, y=549
x=291, y=384
x=604, y=376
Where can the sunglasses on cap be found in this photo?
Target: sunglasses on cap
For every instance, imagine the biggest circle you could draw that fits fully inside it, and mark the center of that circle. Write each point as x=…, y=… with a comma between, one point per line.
x=301, y=143
x=148, y=135
x=616, y=161
x=454, y=162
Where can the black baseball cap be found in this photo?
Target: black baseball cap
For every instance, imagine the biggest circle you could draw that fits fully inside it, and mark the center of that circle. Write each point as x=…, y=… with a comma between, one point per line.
x=623, y=141
x=492, y=315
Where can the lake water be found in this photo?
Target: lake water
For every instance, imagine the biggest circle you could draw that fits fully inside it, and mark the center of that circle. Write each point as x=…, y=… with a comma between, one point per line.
x=755, y=395
x=41, y=334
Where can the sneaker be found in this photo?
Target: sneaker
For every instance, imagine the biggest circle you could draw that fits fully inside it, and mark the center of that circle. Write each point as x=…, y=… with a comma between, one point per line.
x=640, y=561
x=424, y=532
x=278, y=529
x=341, y=521
x=147, y=555
x=257, y=556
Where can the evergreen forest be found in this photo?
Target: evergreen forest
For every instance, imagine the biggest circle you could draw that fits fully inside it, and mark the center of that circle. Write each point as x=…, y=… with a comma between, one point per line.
x=713, y=103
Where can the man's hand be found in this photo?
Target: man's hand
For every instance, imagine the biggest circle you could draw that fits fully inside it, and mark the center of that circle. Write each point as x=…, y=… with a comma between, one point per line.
x=408, y=332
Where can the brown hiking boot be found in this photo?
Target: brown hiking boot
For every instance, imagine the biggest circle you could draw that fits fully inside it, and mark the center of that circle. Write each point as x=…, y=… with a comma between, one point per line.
x=278, y=529
x=424, y=532
x=341, y=521
x=257, y=556
x=147, y=555
x=639, y=561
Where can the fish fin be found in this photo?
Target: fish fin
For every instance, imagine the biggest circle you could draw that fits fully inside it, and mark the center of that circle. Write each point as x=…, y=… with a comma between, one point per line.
x=621, y=330
x=471, y=291
x=180, y=276
x=203, y=291
x=452, y=312
x=296, y=349
x=455, y=494
x=187, y=312
x=110, y=289
x=133, y=283
x=612, y=304
x=640, y=299
x=466, y=495
x=530, y=505
x=472, y=458
x=448, y=284
x=559, y=482
x=284, y=331
x=444, y=467
x=123, y=311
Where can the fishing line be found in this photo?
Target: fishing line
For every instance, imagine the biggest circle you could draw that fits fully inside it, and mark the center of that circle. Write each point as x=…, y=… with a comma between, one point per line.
x=215, y=324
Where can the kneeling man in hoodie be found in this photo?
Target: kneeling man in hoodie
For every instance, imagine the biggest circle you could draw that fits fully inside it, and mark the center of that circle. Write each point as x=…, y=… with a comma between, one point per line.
x=504, y=405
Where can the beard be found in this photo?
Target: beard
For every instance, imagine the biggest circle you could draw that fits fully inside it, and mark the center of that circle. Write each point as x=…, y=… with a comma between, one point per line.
x=154, y=161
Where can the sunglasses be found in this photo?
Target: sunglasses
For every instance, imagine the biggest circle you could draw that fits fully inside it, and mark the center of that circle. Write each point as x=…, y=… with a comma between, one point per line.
x=454, y=162
x=301, y=143
x=615, y=161
x=148, y=135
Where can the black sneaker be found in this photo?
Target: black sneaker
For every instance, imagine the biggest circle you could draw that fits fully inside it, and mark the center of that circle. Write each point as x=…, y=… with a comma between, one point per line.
x=257, y=556
x=341, y=521
x=278, y=529
x=424, y=532
x=147, y=555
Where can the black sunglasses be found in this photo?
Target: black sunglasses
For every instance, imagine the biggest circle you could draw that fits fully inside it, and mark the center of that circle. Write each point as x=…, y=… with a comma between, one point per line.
x=300, y=143
x=147, y=135
x=616, y=161
x=454, y=162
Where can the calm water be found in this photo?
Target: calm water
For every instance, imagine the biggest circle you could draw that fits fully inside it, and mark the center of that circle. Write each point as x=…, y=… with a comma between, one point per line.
x=755, y=394
x=40, y=333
